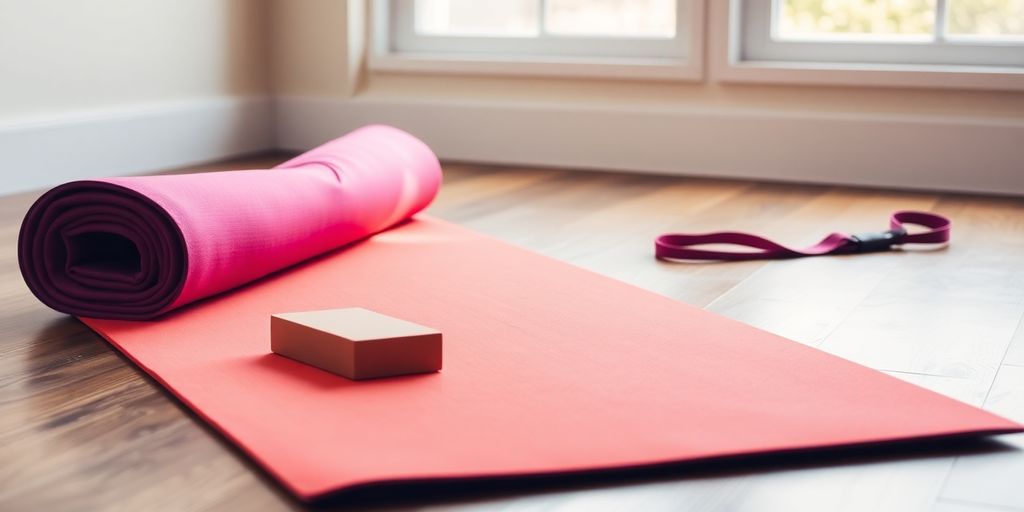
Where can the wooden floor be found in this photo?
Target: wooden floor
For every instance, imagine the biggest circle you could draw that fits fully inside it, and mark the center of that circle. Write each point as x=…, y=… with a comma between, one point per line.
x=82, y=429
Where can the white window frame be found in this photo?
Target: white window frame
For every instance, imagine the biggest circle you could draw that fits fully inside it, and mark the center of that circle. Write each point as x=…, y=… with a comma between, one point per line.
x=741, y=55
x=758, y=22
x=393, y=42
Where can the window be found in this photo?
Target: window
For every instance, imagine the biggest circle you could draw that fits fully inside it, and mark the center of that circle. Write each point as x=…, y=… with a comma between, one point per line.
x=892, y=32
x=917, y=43
x=644, y=38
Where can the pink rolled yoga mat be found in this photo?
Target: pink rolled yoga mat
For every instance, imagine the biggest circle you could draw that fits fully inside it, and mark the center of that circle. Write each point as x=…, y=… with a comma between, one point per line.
x=135, y=248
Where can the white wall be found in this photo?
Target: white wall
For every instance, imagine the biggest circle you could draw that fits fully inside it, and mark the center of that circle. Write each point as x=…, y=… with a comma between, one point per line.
x=101, y=87
x=60, y=55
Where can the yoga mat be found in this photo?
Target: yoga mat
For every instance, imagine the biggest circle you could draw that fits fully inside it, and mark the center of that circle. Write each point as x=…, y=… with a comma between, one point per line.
x=135, y=248
x=548, y=368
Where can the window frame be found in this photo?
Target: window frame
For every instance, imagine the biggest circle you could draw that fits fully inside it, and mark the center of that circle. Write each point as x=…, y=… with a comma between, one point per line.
x=680, y=59
x=730, y=63
x=758, y=24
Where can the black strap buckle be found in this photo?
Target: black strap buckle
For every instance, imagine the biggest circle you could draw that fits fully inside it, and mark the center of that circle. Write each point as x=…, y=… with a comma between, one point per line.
x=878, y=240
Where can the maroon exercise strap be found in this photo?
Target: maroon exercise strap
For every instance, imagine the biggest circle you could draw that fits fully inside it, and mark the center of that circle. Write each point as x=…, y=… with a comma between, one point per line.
x=679, y=246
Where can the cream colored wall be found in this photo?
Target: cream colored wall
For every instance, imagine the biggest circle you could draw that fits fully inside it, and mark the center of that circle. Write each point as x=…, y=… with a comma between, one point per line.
x=309, y=60
x=61, y=55
x=309, y=47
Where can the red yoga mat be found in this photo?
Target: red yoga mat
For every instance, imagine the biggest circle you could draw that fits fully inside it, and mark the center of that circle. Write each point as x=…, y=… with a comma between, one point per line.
x=548, y=369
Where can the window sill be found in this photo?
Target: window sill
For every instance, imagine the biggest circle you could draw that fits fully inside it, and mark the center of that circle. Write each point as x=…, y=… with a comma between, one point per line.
x=728, y=65
x=872, y=75
x=531, y=65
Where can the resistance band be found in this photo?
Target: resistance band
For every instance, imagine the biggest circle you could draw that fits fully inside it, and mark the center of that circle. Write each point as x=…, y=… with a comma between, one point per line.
x=679, y=246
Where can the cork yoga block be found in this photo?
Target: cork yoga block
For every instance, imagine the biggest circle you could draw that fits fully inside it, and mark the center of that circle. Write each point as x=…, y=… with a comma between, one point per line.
x=356, y=343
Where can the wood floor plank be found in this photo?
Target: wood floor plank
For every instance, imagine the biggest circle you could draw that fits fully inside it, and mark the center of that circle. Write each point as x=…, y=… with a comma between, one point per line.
x=960, y=506
x=951, y=312
x=618, y=239
x=995, y=479
x=1015, y=354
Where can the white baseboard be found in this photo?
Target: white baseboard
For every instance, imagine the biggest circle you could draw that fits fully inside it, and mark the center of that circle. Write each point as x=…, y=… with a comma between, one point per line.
x=919, y=152
x=963, y=154
x=43, y=152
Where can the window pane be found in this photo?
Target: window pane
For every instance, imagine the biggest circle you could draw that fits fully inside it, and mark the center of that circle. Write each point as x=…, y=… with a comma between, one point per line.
x=995, y=19
x=626, y=18
x=855, y=19
x=477, y=17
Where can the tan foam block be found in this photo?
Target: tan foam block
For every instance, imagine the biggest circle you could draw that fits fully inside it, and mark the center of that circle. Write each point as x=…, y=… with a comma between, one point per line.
x=356, y=343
